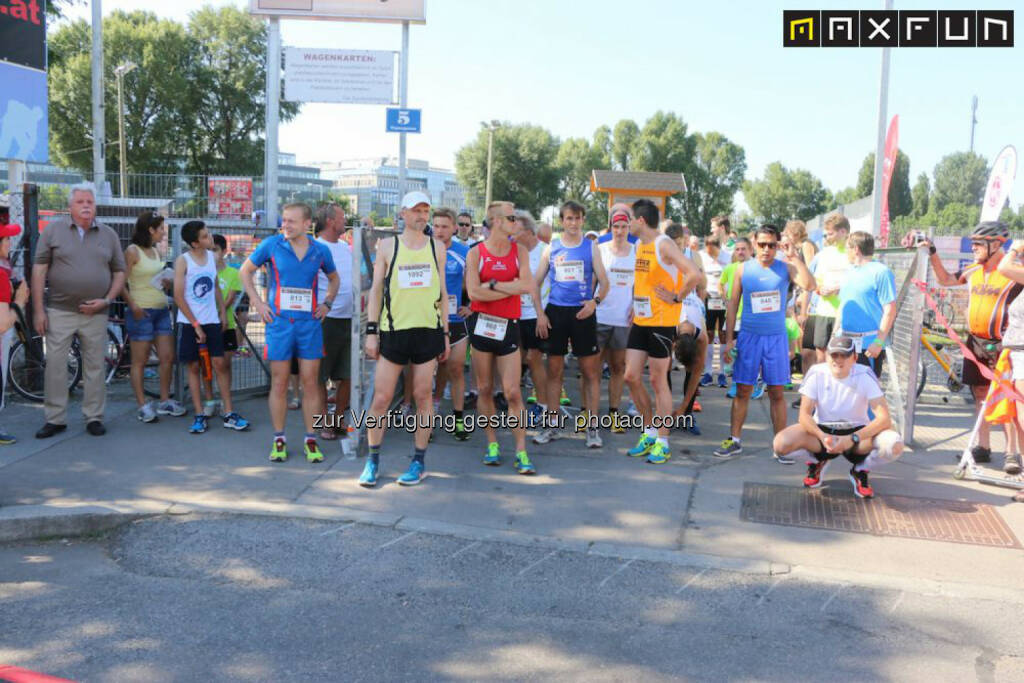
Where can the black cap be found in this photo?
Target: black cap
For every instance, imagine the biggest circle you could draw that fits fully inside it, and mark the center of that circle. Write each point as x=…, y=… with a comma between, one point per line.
x=841, y=345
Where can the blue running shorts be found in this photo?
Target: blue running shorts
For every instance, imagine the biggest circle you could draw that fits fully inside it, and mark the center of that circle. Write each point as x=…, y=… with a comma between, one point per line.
x=289, y=338
x=766, y=355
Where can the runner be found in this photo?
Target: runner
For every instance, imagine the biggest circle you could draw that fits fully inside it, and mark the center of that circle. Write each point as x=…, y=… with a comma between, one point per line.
x=406, y=324
x=710, y=258
x=721, y=230
x=829, y=267
x=231, y=289
x=452, y=370
x=690, y=349
x=614, y=313
x=867, y=302
x=464, y=221
x=336, y=365
x=762, y=346
x=571, y=265
x=8, y=316
x=532, y=308
x=663, y=278
x=497, y=275
x=292, y=319
x=201, y=323
x=843, y=412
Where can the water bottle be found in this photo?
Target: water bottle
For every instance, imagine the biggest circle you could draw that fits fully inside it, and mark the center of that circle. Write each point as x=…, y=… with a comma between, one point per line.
x=348, y=444
x=205, y=363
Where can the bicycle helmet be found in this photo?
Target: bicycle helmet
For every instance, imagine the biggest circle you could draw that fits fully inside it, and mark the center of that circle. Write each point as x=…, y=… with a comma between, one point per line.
x=991, y=230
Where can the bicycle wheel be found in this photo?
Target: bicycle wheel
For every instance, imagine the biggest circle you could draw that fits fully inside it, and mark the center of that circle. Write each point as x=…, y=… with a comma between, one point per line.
x=922, y=375
x=27, y=369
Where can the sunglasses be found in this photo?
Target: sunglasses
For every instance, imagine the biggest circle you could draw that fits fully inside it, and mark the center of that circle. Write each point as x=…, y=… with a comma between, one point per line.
x=768, y=245
x=465, y=225
x=979, y=243
x=512, y=219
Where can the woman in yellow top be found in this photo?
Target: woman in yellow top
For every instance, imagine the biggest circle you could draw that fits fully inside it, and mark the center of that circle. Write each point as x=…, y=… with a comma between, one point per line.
x=147, y=317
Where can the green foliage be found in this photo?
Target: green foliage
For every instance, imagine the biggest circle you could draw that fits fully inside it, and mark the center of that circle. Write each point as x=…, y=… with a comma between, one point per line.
x=576, y=160
x=716, y=174
x=847, y=196
x=900, y=198
x=959, y=178
x=623, y=144
x=920, y=195
x=783, y=194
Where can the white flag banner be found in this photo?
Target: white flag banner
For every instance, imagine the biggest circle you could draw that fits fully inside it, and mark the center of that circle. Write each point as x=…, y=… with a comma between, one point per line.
x=1000, y=184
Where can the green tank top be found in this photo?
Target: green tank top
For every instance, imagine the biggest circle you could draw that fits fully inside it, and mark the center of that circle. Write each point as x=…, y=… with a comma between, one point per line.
x=412, y=289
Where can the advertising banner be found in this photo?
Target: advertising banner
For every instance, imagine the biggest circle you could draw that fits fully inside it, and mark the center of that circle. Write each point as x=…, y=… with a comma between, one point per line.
x=888, y=168
x=1000, y=183
x=230, y=197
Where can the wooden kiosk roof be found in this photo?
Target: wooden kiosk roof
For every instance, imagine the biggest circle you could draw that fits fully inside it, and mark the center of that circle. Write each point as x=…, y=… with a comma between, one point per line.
x=628, y=186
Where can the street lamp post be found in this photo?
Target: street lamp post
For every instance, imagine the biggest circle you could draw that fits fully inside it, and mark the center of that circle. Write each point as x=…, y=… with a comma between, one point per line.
x=120, y=71
x=319, y=188
x=490, y=128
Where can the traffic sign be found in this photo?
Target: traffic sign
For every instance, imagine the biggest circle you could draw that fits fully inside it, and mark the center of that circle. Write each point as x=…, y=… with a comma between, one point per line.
x=403, y=120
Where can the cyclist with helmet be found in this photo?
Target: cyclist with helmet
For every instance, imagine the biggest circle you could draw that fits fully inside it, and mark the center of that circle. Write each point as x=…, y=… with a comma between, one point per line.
x=990, y=295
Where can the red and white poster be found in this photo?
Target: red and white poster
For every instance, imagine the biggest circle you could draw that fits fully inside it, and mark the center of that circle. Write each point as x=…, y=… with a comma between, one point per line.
x=1000, y=183
x=230, y=197
x=888, y=168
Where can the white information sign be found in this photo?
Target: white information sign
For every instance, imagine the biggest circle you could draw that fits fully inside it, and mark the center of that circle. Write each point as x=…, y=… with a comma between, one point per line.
x=341, y=76
x=344, y=10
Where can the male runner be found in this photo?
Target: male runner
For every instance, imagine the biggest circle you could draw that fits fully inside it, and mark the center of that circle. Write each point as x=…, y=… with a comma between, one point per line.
x=497, y=275
x=829, y=267
x=710, y=258
x=615, y=313
x=742, y=249
x=663, y=278
x=572, y=264
x=762, y=346
x=292, y=319
x=406, y=323
x=867, y=302
x=532, y=307
x=464, y=228
x=336, y=365
x=451, y=371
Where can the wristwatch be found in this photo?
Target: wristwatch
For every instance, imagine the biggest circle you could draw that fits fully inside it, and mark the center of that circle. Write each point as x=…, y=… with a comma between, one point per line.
x=855, y=439
x=597, y=300
x=491, y=284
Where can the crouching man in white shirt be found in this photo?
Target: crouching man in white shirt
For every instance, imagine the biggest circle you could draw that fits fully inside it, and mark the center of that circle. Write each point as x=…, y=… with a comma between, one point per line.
x=835, y=421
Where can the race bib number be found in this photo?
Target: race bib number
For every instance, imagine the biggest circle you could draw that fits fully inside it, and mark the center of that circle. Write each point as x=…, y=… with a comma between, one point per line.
x=296, y=299
x=415, y=276
x=716, y=303
x=766, y=302
x=642, y=307
x=622, y=278
x=453, y=305
x=569, y=271
x=490, y=327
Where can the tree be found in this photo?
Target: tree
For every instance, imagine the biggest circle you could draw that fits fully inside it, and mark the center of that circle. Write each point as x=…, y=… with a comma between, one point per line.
x=525, y=168
x=960, y=178
x=576, y=160
x=847, y=196
x=783, y=194
x=900, y=200
x=663, y=145
x=716, y=174
x=623, y=143
x=920, y=194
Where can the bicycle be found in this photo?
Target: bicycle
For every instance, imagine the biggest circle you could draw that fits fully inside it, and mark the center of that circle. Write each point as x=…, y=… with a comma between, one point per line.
x=118, y=359
x=27, y=361
x=938, y=345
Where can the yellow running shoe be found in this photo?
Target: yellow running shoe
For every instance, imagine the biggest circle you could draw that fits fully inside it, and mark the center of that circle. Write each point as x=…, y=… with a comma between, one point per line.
x=313, y=452
x=278, y=451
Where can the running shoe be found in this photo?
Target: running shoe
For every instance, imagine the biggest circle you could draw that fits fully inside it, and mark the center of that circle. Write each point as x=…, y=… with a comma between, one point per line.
x=469, y=399
x=523, y=464
x=617, y=427
x=728, y=449
x=532, y=398
x=278, y=451
x=447, y=395
x=606, y=372
x=697, y=407
x=198, y=425
x=815, y=471
x=493, y=456
x=312, y=451
x=236, y=422
x=758, y=391
x=706, y=380
x=170, y=407
x=642, y=447
x=788, y=386
x=732, y=391
x=722, y=381
x=210, y=408
x=7, y=439
x=535, y=415
x=406, y=410
x=460, y=430
x=861, y=487
x=146, y=413
x=783, y=459
x=659, y=454
x=1012, y=464
x=368, y=479
x=631, y=410
x=295, y=403
x=594, y=439
x=796, y=403
x=564, y=400
x=691, y=425
x=981, y=454
x=545, y=436
x=500, y=402
x=413, y=475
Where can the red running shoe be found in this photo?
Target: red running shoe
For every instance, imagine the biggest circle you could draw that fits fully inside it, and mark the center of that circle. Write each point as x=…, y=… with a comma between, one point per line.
x=814, y=472
x=861, y=487
x=697, y=407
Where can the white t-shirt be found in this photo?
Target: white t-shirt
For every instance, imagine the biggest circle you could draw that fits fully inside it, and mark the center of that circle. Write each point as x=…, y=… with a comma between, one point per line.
x=201, y=290
x=713, y=270
x=342, y=255
x=841, y=400
x=615, y=309
x=528, y=312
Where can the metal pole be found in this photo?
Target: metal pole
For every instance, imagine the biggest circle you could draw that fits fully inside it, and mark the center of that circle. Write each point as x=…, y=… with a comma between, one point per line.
x=355, y=395
x=916, y=325
x=883, y=99
x=403, y=102
x=273, y=116
x=490, y=159
x=974, y=118
x=99, y=162
x=122, y=147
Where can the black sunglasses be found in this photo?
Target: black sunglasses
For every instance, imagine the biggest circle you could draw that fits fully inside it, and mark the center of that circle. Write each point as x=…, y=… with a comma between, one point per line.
x=512, y=219
x=768, y=245
x=465, y=225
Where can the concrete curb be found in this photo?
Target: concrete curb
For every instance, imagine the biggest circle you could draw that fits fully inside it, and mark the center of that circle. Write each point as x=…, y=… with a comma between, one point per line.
x=33, y=522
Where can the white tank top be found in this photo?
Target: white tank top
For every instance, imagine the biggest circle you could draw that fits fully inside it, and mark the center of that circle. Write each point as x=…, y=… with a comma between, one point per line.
x=200, y=290
x=614, y=309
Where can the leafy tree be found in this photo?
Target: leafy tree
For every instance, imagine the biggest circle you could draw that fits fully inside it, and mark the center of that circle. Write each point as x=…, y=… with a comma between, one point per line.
x=576, y=160
x=623, y=144
x=900, y=200
x=663, y=145
x=960, y=178
x=783, y=194
x=920, y=194
x=1014, y=219
x=525, y=169
x=847, y=196
x=716, y=174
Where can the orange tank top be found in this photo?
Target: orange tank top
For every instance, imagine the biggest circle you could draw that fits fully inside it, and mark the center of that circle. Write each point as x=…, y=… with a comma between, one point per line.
x=991, y=294
x=648, y=309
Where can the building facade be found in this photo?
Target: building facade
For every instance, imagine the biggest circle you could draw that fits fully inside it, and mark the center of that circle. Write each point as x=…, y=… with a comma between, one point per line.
x=371, y=185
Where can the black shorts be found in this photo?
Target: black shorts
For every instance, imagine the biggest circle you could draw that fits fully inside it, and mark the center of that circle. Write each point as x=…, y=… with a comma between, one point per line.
x=230, y=340
x=715, y=322
x=528, y=336
x=876, y=364
x=456, y=332
x=188, y=345
x=565, y=328
x=972, y=375
x=656, y=342
x=817, y=331
x=499, y=347
x=417, y=345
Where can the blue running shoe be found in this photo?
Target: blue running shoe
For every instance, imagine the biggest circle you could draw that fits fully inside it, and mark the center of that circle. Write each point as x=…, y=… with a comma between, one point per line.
x=659, y=454
x=523, y=464
x=413, y=475
x=368, y=478
x=493, y=456
x=692, y=426
x=642, y=447
x=732, y=391
x=728, y=449
x=758, y=391
x=722, y=381
x=705, y=379
x=236, y=422
x=198, y=425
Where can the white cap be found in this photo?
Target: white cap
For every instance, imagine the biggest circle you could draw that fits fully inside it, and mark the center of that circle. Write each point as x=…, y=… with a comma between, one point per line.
x=415, y=198
x=591, y=233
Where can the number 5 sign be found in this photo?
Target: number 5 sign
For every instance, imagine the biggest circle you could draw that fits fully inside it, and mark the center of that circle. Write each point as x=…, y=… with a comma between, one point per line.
x=403, y=120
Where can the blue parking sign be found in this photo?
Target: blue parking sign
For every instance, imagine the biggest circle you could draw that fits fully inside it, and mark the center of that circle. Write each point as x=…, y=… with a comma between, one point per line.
x=403, y=120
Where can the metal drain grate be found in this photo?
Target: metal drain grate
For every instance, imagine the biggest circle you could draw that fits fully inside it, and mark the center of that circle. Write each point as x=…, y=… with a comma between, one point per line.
x=925, y=518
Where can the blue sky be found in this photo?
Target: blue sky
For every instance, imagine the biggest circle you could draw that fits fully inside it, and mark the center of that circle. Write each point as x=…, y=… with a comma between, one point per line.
x=572, y=66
